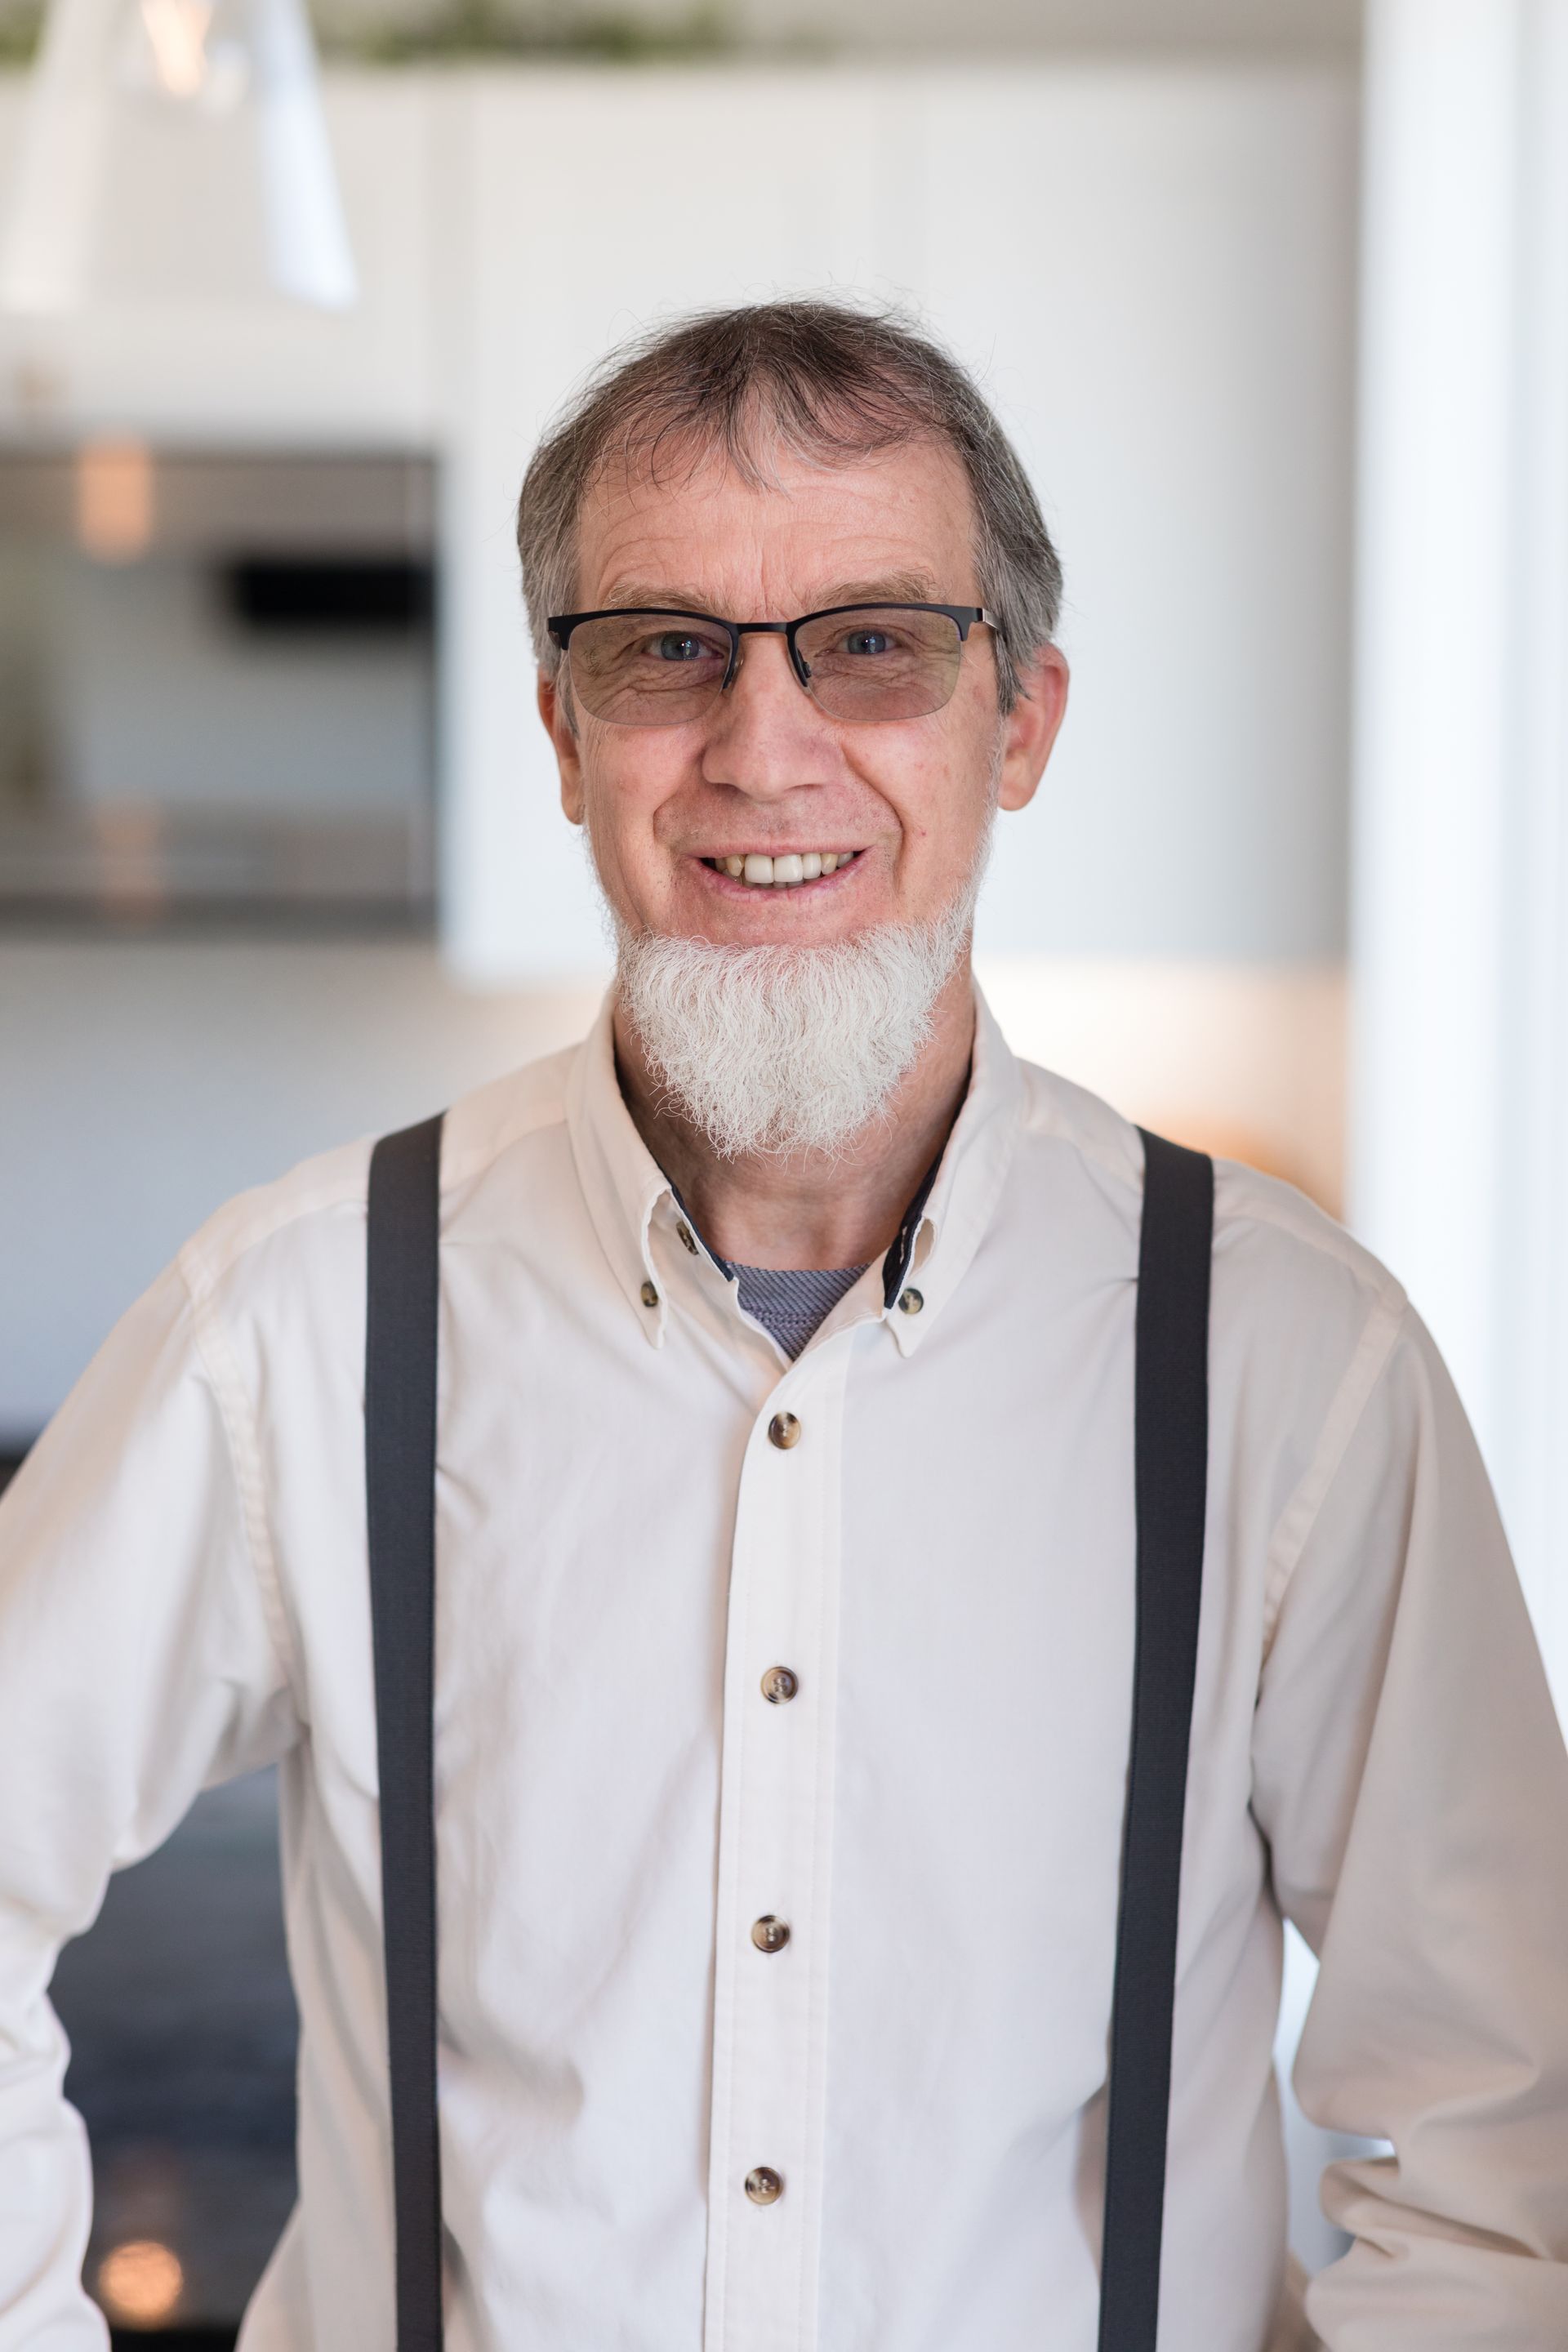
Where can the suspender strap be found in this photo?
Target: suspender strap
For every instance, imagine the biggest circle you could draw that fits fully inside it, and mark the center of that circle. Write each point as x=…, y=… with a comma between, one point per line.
x=1171, y=1470
x=1169, y=1480
x=402, y=1312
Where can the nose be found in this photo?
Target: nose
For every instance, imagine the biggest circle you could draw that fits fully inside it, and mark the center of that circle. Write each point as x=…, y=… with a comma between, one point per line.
x=767, y=737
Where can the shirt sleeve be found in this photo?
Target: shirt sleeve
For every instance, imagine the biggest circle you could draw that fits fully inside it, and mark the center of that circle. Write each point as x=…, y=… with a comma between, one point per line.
x=1410, y=1777
x=139, y=1661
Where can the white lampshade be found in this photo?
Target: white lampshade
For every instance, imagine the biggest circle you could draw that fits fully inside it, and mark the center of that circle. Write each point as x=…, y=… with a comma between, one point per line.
x=175, y=148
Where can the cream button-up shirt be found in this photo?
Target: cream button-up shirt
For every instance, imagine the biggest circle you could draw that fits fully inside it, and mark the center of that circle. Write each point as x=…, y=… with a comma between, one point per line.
x=944, y=1563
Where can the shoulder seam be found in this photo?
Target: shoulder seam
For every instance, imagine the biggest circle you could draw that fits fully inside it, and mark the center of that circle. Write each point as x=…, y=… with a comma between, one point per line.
x=456, y=1169
x=1318, y=1232
x=1360, y=1378
x=1122, y=1165
x=203, y=1272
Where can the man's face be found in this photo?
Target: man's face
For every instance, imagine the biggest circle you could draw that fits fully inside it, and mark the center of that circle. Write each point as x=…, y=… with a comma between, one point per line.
x=764, y=770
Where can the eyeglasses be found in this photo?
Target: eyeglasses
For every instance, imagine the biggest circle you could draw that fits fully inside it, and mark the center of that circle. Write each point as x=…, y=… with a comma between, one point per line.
x=642, y=666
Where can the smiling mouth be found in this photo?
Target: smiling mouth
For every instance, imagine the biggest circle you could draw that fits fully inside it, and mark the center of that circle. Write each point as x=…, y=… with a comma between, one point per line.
x=762, y=872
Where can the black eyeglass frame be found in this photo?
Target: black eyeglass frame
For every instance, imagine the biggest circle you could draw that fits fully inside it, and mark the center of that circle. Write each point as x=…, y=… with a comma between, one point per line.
x=962, y=616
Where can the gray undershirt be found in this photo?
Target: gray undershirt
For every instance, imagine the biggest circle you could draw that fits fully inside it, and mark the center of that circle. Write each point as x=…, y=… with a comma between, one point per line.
x=789, y=1303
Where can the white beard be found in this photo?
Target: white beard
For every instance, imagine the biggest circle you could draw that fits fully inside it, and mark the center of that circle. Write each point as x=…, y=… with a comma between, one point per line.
x=779, y=1051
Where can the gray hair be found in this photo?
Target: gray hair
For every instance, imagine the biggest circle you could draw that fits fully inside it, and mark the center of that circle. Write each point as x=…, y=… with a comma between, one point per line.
x=829, y=381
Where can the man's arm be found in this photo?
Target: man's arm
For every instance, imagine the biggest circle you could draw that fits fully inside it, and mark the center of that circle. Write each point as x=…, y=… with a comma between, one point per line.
x=139, y=1661
x=1411, y=1779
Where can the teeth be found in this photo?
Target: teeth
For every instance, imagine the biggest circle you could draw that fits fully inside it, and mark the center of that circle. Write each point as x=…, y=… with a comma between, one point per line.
x=780, y=873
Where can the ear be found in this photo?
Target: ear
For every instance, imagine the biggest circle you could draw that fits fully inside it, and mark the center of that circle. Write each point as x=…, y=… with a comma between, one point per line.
x=555, y=710
x=1031, y=727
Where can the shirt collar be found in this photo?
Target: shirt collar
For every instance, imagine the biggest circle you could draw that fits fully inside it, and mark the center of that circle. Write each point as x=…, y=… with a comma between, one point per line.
x=623, y=1184
x=625, y=1189
x=943, y=1233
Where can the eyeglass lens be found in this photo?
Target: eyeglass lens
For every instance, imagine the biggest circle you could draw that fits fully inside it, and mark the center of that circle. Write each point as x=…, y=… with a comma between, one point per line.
x=662, y=669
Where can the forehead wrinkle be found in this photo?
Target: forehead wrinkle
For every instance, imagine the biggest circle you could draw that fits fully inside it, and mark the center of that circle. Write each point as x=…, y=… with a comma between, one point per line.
x=904, y=524
x=660, y=596
x=887, y=588
x=911, y=587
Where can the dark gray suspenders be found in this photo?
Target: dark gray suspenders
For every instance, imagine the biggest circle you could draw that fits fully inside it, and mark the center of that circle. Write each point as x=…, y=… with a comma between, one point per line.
x=1171, y=1480
x=401, y=1317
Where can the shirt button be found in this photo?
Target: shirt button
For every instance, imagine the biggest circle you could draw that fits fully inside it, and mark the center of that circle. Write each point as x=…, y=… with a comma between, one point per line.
x=910, y=1302
x=770, y=1935
x=649, y=1295
x=683, y=1234
x=763, y=2185
x=784, y=1430
x=779, y=1684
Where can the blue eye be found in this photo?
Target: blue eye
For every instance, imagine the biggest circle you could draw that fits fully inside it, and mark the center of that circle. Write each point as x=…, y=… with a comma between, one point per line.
x=868, y=641
x=677, y=647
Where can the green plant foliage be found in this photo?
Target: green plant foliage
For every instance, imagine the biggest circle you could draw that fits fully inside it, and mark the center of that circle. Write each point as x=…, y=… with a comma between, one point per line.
x=479, y=28
x=485, y=29
x=19, y=29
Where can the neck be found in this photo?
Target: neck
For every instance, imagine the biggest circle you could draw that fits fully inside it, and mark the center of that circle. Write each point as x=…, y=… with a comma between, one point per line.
x=812, y=1212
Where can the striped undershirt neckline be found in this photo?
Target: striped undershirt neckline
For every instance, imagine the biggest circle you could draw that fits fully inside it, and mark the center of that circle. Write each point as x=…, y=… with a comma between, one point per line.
x=791, y=1302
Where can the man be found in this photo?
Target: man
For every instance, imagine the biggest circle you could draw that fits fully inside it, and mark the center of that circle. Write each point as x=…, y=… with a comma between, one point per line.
x=785, y=1535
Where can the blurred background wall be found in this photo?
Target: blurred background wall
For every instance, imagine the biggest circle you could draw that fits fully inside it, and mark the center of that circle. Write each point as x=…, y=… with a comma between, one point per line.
x=1272, y=299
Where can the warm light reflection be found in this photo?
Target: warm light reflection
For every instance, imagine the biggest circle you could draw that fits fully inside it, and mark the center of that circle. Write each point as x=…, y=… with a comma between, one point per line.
x=177, y=34
x=1247, y=1060
x=141, y=2282
x=114, y=501
x=133, y=881
x=194, y=54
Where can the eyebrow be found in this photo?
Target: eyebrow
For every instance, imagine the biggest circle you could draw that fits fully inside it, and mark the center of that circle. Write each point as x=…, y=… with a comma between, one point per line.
x=893, y=588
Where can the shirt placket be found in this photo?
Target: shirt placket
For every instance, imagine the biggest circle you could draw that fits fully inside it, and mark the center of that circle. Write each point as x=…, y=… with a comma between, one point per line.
x=770, y=2029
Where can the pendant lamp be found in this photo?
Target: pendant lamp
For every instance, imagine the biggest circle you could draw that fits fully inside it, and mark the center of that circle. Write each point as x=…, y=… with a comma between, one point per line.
x=174, y=150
